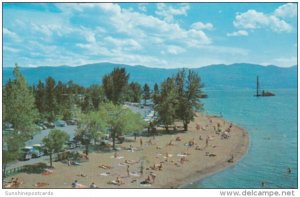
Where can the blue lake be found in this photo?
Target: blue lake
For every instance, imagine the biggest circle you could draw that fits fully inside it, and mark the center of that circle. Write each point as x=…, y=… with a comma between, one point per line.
x=272, y=126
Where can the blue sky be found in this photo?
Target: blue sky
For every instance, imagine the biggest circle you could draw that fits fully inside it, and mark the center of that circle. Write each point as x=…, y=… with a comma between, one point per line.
x=164, y=35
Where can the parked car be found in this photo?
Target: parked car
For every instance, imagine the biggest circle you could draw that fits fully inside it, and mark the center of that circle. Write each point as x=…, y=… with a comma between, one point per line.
x=70, y=144
x=26, y=153
x=49, y=125
x=60, y=123
x=38, y=150
x=71, y=122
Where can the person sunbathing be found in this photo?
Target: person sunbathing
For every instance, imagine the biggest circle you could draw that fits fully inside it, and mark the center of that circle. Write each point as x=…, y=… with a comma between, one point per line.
x=212, y=155
x=118, y=181
x=170, y=143
x=41, y=184
x=15, y=183
x=81, y=175
x=183, y=159
x=130, y=161
x=147, y=181
x=156, y=166
x=84, y=156
x=230, y=160
x=198, y=148
x=93, y=186
x=105, y=166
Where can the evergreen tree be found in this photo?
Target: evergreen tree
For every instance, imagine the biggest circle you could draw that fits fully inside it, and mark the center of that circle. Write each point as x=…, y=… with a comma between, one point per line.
x=60, y=97
x=146, y=92
x=96, y=93
x=134, y=92
x=19, y=101
x=167, y=105
x=50, y=102
x=87, y=104
x=188, y=95
x=40, y=98
x=115, y=84
x=155, y=94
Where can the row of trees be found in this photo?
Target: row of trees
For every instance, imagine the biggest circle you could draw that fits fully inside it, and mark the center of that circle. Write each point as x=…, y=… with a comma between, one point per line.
x=98, y=108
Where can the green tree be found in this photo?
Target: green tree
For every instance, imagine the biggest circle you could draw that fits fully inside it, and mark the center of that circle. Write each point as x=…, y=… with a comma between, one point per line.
x=54, y=142
x=19, y=105
x=87, y=104
x=115, y=85
x=96, y=93
x=134, y=92
x=189, y=93
x=167, y=105
x=12, y=143
x=120, y=120
x=89, y=129
x=146, y=92
x=155, y=94
x=51, y=103
x=40, y=98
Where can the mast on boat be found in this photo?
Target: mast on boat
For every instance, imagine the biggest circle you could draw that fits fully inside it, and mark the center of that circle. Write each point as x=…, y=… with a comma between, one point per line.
x=257, y=85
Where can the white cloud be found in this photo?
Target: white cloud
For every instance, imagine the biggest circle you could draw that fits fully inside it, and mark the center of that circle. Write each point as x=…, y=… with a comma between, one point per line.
x=238, y=33
x=10, y=34
x=127, y=44
x=288, y=10
x=168, y=12
x=255, y=20
x=10, y=49
x=202, y=26
x=285, y=61
x=174, y=50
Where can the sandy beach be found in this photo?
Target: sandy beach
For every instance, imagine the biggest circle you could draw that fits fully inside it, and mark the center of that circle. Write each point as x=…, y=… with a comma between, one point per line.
x=173, y=159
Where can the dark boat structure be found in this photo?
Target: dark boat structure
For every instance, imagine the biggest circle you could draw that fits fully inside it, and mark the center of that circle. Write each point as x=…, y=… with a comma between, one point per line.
x=261, y=93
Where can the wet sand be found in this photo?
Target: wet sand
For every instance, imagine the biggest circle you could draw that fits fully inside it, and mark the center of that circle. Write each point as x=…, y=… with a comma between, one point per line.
x=173, y=174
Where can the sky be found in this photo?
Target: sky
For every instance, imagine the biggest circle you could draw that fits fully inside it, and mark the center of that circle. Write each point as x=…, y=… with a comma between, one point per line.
x=164, y=35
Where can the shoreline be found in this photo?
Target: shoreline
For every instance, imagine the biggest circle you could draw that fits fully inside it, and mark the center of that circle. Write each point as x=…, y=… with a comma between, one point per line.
x=201, y=163
x=200, y=175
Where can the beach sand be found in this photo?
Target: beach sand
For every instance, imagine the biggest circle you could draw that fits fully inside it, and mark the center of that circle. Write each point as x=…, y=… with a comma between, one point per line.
x=173, y=174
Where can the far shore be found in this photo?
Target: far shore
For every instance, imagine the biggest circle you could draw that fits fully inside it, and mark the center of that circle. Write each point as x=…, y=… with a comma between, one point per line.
x=205, y=156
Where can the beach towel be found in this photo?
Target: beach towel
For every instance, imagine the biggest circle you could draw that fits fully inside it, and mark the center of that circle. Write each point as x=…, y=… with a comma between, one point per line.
x=105, y=174
x=181, y=155
x=41, y=184
x=119, y=157
x=136, y=174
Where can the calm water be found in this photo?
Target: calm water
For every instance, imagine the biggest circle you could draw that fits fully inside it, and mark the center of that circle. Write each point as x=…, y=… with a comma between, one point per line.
x=272, y=126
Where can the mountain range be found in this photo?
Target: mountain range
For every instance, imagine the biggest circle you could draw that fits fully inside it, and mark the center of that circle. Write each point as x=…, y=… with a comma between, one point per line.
x=239, y=75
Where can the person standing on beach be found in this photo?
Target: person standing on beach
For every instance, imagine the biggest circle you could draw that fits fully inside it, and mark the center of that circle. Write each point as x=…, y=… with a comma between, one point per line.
x=206, y=142
x=128, y=174
x=141, y=142
x=142, y=168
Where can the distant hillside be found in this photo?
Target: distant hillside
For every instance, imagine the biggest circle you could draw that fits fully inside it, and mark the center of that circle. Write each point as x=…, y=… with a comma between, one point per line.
x=213, y=76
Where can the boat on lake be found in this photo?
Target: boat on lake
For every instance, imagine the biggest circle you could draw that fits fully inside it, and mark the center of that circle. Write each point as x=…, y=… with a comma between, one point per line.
x=263, y=92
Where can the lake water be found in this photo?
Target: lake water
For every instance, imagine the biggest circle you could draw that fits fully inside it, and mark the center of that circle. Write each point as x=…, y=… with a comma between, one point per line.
x=272, y=126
